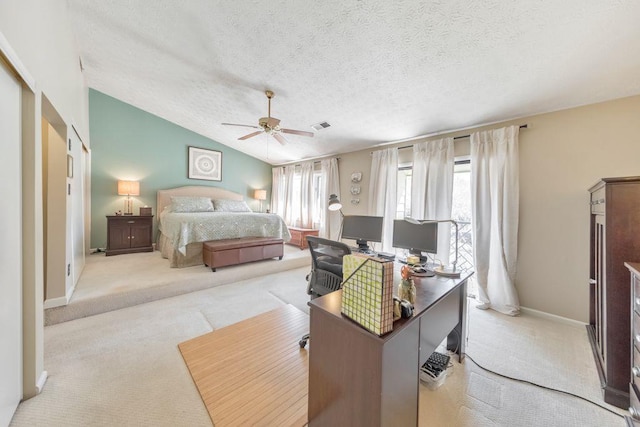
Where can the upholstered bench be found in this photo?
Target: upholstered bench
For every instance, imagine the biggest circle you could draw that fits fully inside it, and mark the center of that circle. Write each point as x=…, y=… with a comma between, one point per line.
x=222, y=253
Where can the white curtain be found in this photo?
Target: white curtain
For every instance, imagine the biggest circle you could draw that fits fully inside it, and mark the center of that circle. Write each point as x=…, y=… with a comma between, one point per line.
x=305, y=208
x=494, y=197
x=432, y=188
x=382, y=191
x=289, y=214
x=278, y=191
x=330, y=220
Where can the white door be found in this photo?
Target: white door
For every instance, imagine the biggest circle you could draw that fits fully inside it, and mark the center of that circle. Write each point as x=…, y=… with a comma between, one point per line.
x=75, y=210
x=10, y=246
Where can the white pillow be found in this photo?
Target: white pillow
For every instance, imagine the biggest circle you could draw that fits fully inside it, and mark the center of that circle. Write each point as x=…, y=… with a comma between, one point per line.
x=191, y=204
x=224, y=205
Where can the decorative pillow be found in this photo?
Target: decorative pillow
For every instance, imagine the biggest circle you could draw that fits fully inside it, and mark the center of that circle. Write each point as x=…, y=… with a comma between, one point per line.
x=225, y=205
x=191, y=204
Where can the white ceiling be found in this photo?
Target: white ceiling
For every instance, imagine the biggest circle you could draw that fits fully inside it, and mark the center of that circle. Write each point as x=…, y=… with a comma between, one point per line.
x=376, y=70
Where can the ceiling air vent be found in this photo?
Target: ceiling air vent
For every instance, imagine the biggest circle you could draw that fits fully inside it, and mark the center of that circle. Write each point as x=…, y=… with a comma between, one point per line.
x=320, y=126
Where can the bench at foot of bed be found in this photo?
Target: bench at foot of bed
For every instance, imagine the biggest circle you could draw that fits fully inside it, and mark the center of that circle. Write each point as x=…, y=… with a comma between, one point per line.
x=222, y=253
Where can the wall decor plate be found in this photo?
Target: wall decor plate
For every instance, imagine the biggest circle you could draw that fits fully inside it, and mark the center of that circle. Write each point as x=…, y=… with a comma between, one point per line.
x=205, y=164
x=356, y=177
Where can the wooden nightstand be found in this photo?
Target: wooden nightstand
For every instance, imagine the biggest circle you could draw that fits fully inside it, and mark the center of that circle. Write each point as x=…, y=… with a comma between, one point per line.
x=129, y=233
x=299, y=236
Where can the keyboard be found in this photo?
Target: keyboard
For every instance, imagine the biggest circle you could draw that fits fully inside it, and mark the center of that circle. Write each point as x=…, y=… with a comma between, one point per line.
x=371, y=252
x=436, y=364
x=439, y=359
x=387, y=255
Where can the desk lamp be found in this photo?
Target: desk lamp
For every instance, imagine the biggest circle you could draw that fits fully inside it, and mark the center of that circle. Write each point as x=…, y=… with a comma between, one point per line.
x=335, y=205
x=442, y=271
x=128, y=188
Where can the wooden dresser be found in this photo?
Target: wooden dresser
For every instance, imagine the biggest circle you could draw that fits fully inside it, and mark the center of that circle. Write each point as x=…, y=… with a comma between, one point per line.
x=634, y=383
x=299, y=236
x=129, y=233
x=615, y=239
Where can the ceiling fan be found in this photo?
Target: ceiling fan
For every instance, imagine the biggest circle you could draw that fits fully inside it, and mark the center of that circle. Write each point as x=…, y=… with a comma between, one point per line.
x=270, y=125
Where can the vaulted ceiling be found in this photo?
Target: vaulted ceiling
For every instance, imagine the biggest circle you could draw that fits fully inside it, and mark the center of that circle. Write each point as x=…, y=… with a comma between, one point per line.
x=375, y=70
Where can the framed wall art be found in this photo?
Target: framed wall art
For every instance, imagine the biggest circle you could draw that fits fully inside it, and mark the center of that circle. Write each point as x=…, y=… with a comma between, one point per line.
x=205, y=164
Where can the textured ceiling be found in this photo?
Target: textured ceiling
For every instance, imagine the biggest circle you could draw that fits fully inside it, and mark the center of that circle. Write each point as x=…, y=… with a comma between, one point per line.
x=376, y=70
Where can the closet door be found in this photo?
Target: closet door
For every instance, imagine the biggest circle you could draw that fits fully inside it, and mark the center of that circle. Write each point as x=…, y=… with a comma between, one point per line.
x=10, y=246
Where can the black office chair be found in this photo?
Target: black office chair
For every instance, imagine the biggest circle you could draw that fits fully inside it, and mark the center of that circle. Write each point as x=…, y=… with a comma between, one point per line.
x=326, y=269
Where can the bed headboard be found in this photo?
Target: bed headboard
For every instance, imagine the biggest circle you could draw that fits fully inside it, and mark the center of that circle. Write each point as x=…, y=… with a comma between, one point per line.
x=163, y=197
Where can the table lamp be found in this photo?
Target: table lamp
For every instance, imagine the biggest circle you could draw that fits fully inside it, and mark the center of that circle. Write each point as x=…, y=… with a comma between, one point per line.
x=128, y=188
x=260, y=195
x=442, y=270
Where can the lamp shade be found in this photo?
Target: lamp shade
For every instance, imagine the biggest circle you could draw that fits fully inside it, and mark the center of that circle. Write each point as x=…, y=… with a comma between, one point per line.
x=334, y=203
x=260, y=194
x=128, y=188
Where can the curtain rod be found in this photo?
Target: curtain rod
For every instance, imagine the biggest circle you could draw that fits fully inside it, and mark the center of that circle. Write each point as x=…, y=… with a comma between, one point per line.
x=300, y=164
x=454, y=138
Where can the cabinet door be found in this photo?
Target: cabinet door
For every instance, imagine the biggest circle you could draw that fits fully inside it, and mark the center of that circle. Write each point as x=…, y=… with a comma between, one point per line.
x=140, y=233
x=599, y=266
x=118, y=235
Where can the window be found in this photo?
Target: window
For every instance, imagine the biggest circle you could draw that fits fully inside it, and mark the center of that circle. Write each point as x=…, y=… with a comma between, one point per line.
x=460, y=211
x=404, y=192
x=317, y=213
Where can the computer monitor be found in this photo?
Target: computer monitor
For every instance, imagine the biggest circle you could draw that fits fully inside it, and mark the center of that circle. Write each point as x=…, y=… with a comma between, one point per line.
x=418, y=238
x=363, y=229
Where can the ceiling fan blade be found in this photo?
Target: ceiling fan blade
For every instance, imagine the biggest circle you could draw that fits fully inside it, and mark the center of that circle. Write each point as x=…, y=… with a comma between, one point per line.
x=234, y=124
x=281, y=139
x=251, y=135
x=297, y=132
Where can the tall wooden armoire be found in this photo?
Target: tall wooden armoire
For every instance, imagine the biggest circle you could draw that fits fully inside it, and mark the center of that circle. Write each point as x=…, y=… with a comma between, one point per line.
x=615, y=239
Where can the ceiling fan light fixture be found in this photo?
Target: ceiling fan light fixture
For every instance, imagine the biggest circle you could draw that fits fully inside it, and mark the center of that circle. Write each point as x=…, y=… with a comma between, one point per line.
x=270, y=125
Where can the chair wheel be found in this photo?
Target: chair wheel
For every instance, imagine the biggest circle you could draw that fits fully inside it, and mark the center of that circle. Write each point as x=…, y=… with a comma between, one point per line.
x=302, y=343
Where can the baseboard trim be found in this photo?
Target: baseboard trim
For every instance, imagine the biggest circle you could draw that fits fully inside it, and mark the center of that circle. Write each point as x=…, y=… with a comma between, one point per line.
x=565, y=320
x=55, y=302
x=41, y=381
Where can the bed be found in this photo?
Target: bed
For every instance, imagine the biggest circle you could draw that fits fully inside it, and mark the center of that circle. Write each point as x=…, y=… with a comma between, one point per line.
x=181, y=234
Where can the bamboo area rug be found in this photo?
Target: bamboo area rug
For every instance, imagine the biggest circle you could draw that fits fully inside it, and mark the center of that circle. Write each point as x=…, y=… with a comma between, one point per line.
x=253, y=372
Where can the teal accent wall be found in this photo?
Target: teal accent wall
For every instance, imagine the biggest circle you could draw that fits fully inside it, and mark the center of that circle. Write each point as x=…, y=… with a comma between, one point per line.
x=131, y=144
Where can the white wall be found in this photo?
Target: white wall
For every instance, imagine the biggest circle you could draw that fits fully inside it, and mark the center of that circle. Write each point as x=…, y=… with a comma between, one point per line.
x=40, y=33
x=562, y=154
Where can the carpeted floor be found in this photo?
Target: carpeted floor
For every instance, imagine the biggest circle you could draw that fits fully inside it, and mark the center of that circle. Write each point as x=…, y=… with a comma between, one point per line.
x=111, y=283
x=123, y=367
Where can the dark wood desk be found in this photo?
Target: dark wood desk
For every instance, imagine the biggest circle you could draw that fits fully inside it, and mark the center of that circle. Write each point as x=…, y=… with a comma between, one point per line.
x=359, y=379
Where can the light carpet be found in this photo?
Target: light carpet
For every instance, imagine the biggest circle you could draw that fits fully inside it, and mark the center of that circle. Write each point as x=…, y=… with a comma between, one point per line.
x=111, y=283
x=123, y=367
